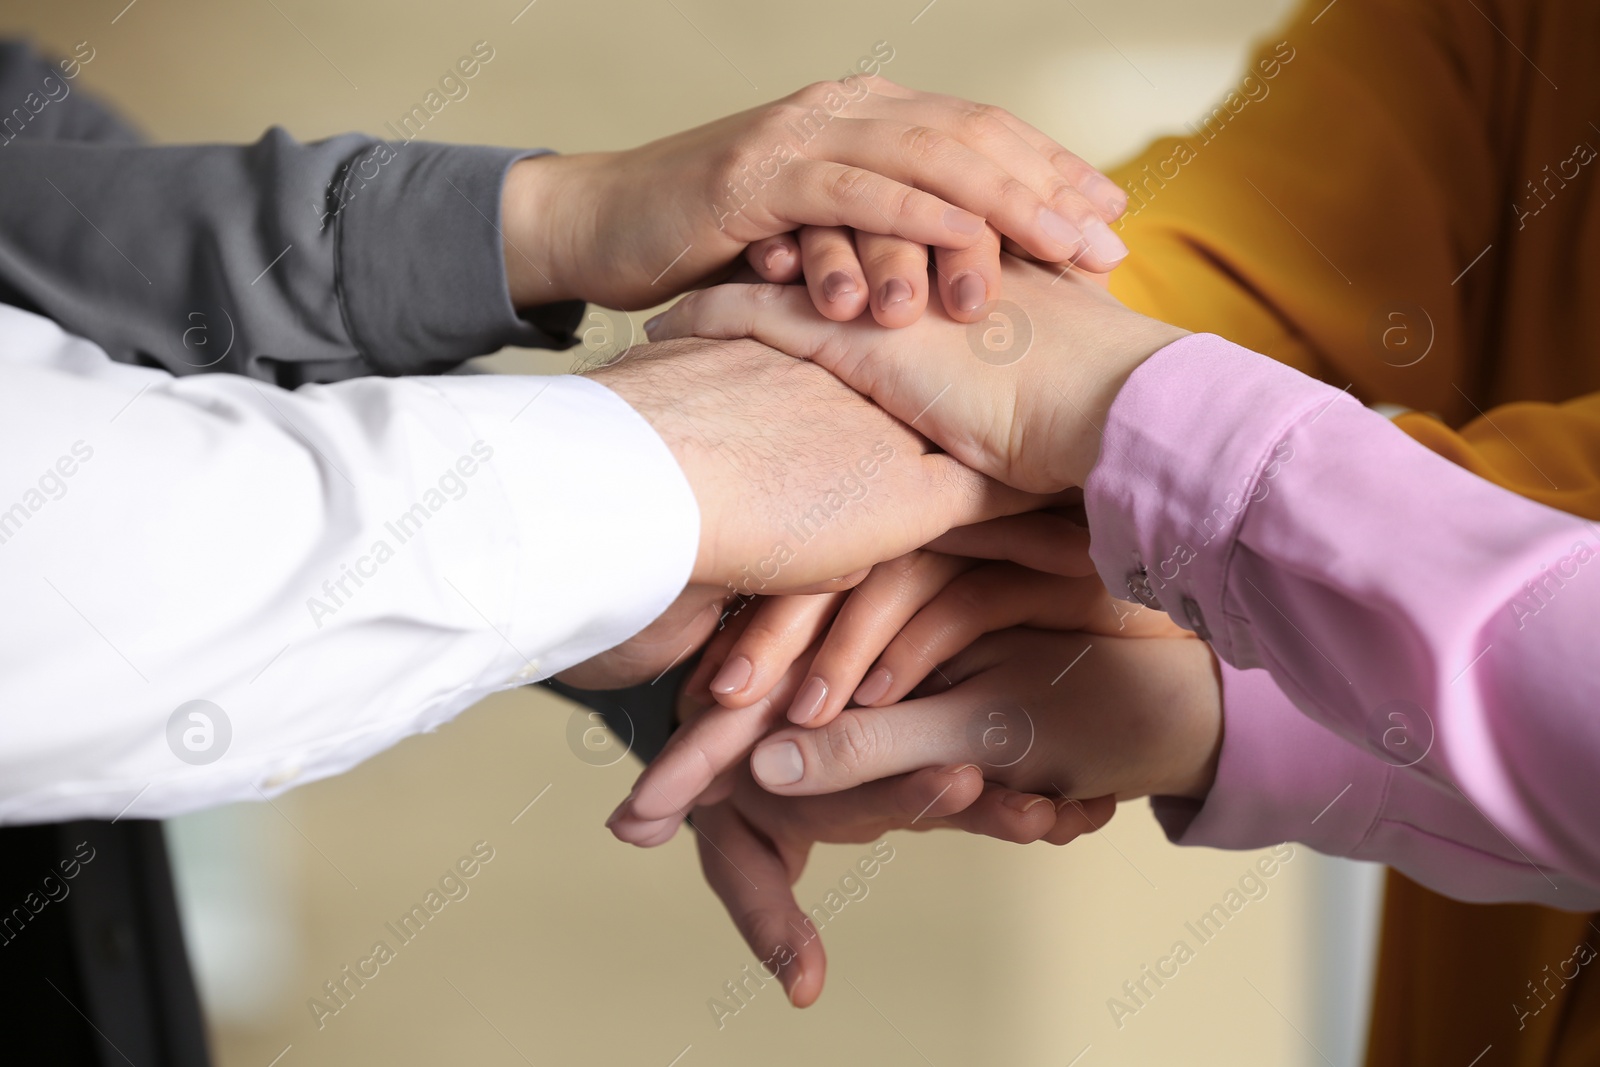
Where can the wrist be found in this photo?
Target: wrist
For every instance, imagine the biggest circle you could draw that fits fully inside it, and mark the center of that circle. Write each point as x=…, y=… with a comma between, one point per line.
x=547, y=226
x=1121, y=345
x=1198, y=698
x=631, y=380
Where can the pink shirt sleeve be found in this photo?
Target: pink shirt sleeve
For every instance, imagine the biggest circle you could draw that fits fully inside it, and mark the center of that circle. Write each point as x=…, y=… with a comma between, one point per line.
x=1438, y=634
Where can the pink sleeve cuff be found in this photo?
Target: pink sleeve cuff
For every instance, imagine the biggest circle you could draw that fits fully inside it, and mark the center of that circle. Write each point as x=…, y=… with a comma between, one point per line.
x=1281, y=777
x=1433, y=630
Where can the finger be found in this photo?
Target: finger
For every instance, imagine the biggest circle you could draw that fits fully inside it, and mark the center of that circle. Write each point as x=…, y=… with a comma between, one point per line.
x=833, y=274
x=865, y=744
x=1039, y=540
x=752, y=880
x=1108, y=198
x=969, y=278
x=869, y=620
x=775, y=259
x=925, y=799
x=781, y=629
x=825, y=193
x=697, y=753
x=1007, y=815
x=1074, y=818
x=977, y=162
x=992, y=597
x=897, y=277
x=736, y=615
x=730, y=311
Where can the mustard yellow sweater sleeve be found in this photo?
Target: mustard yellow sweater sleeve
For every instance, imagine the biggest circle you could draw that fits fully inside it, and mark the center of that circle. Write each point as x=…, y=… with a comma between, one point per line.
x=1546, y=452
x=1381, y=203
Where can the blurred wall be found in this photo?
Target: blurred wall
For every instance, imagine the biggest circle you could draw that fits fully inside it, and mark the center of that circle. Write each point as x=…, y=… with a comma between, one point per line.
x=571, y=948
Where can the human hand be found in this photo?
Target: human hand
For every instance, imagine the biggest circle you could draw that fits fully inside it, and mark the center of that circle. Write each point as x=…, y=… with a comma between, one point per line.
x=753, y=846
x=800, y=481
x=803, y=656
x=1029, y=416
x=904, y=169
x=1070, y=715
x=905, y=618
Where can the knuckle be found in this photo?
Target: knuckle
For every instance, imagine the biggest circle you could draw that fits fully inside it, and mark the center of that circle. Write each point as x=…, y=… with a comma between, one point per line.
x=767, y=295
x=849, y=183
x=814, y=93
x=1063, y=195
x=849, y=743
x=1068, y=163
x=903, y=569
x=1015, y=191
x=962, y=599
x=986, y=121
x=779, y=117
x=923, y=144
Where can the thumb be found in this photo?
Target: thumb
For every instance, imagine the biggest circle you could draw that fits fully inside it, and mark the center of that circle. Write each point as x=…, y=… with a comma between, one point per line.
x=865, y=744
x=780, y=316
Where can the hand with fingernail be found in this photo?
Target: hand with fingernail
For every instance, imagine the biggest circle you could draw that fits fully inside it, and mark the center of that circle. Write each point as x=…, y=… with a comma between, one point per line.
x=753, y=844
x=1028, y=415
x=1068, y=715
x=869, y=647
x=871, y=173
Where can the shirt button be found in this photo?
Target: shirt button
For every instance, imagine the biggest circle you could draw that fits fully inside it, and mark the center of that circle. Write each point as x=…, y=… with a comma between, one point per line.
x=281, y=777
x=529, y=673
x=1197, y=621
x=1139, y=588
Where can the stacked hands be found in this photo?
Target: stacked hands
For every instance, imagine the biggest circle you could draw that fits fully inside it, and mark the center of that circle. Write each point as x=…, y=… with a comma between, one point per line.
x=898, y=621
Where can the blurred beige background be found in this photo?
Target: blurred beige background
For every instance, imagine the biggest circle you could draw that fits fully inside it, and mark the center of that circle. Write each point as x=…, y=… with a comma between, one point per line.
x=572, y=948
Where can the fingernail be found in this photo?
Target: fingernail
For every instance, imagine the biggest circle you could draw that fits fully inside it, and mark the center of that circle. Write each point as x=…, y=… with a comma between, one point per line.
x=732, y=677
x=959, y=768
x=894, y=291
x=775, y=255
x=778, y=764
x=1023, y=802
x=1106, y=195
x=873, y=687
x=837, y=284
x=617, y=814
x=962, y=221
x=1105, y=244
x=1058, y=229
x=969, y=291
x=809, y=702
x=651, y=323
x=789, y=977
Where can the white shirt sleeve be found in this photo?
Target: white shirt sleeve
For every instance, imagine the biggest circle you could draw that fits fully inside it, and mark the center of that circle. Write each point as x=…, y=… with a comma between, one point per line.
x=326, y=571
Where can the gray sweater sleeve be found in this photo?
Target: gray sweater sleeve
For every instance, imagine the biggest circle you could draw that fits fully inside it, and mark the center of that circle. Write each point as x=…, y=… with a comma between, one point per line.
x=285, y=261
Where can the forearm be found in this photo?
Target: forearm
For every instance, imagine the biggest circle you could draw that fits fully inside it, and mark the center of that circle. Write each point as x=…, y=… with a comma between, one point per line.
x=335, y=568
x=1306, y=535
x=288, y=262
